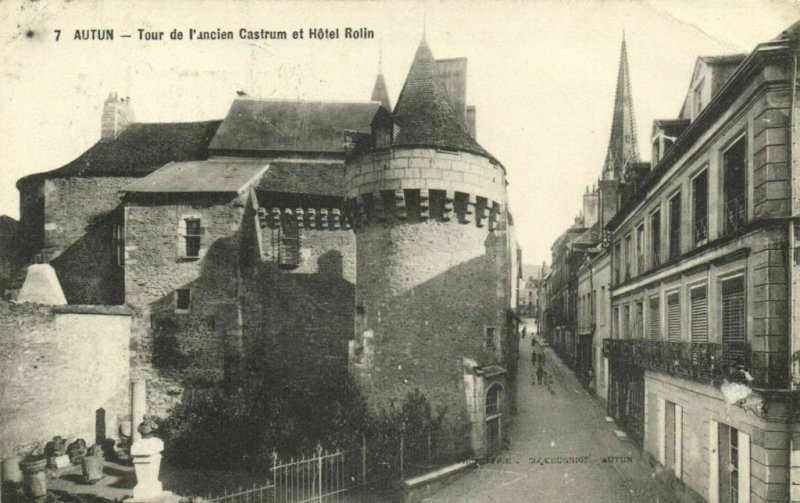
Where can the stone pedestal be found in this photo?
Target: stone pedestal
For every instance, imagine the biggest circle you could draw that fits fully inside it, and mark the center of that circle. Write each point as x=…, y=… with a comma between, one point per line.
x=146, y=456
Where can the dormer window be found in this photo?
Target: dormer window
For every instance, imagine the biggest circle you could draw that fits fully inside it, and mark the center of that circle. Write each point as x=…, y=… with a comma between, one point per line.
x=698, y=98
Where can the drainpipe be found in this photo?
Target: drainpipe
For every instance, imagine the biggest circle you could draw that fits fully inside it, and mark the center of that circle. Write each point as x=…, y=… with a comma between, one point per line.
x=792, y=258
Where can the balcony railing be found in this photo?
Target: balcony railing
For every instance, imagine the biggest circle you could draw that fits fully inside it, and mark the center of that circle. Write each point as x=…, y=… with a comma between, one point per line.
x=700, y=230
x=703, y=362
x=735, y=212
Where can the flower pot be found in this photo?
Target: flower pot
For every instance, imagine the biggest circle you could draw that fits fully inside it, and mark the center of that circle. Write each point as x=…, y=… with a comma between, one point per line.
x=34, y=477
x=93, y=468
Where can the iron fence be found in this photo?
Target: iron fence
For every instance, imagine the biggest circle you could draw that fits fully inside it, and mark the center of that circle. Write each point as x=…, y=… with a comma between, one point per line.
x=382, y=459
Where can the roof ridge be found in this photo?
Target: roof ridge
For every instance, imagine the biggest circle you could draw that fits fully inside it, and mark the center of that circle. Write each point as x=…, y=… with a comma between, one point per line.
x=290, y=100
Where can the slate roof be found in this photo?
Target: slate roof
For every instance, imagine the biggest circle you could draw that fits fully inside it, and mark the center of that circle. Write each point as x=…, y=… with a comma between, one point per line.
x=724, y=59
x=291, y=126
x=789, y=33
x=139, y=150
x=326, y=179
x=590, y=237
x=380, y=92
x=8, y=225
x=671, y=127
x=424, y=112
x=200, y=176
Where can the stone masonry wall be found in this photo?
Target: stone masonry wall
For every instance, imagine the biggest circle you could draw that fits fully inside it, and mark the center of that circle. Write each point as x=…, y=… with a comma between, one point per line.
x=428, y=293
x=58, y=367
x=771, y=174
x=303, y=315
x=426, y=169
x=433, y=262
x=176, y=347
x=78, y=237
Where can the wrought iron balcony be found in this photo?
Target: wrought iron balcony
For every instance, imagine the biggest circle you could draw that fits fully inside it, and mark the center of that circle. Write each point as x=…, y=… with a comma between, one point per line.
x=735, y=212
x=700, y=230
x=703, y=362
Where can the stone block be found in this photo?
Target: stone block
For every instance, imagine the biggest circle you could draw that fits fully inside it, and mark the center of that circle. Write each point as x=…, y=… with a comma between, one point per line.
x=771, y=117
x=41, y=286
x=419, y=162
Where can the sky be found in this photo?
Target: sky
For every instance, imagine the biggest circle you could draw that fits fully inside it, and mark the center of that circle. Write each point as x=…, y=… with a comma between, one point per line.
x=541, y=74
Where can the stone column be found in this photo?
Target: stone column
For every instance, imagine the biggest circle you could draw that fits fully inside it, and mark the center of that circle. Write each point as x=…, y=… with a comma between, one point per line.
x=138, y=407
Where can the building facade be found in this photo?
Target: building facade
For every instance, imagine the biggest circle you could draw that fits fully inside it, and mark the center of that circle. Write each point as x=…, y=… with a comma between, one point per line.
x=296, y=233
x=707, y=297
x=694, y=339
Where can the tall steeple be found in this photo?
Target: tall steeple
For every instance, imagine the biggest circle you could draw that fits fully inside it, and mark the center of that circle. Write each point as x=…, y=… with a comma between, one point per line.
x=379, y=91
x=622, y=146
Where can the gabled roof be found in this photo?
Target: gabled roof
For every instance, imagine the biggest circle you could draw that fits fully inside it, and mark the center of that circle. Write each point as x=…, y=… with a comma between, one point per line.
x=590, y=237
x=317, y=178
x=721, y=68
x=424, y=112
x=670, y=127
x=200, y=176
x=139, y=150
x=291, y=126
x=623, y=147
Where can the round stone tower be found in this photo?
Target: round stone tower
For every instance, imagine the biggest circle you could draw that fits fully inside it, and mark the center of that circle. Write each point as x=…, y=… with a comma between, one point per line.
x=433, y=258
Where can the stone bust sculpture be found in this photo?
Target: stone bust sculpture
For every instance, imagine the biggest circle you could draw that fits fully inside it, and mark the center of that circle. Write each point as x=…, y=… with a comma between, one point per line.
x=148, y=427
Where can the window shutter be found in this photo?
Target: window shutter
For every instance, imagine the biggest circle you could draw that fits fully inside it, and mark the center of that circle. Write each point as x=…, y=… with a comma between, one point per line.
x=733, y=318
x=699, y=315
x=655, y=319
x=674, y=317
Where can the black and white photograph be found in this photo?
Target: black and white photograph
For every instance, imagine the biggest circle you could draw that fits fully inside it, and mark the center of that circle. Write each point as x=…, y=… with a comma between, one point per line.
x=400, y=251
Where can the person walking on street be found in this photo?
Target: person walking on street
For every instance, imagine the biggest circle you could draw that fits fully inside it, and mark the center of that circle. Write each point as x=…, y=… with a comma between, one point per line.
x=539, y=373
x=533, y=358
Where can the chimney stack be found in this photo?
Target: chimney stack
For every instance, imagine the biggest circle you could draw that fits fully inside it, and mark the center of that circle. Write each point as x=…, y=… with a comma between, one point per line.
x=117, y=115
x=471, y=122
x=591, y=202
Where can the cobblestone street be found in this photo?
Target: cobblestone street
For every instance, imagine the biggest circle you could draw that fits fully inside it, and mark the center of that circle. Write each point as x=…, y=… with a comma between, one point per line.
x=594, y=466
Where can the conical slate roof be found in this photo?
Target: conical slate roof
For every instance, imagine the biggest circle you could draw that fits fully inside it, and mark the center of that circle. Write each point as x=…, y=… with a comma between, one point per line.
x=424, y=112
x=380, y=93
x=622, y=145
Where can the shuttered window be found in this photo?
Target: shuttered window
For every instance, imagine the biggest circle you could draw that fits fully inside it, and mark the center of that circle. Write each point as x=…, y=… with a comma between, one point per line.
x=699, y=315
x=640, y=320
x=674, y=316
x=655, y=318
x=628, y=331
x=733, y=318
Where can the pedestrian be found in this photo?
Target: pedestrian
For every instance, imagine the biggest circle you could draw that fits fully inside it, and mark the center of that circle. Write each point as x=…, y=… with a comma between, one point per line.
x=539, y=373
x=533, y=358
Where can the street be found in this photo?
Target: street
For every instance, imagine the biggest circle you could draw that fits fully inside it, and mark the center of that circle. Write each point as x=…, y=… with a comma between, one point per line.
x=562, y=450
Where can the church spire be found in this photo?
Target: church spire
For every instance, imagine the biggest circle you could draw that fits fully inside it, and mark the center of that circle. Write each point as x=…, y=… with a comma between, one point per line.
x=379, y=91
x=622, y=146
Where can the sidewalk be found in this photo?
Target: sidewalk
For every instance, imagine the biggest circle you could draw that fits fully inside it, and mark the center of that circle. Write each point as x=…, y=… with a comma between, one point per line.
x=563, y=450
